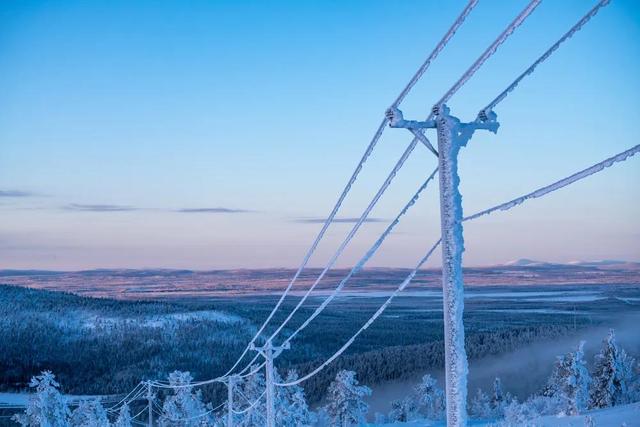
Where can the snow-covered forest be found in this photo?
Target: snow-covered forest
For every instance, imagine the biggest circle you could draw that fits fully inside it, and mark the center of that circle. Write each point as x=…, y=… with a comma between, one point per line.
x=574, y=387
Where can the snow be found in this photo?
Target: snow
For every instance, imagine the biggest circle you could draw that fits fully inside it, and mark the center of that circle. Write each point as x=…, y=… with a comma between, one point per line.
x=93, y=321
x=610, y=417
x=615, y=417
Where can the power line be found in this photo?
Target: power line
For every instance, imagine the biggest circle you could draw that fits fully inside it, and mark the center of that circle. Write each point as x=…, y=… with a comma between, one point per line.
x=439, y=47
x=489, y=51
x=503, y=207
x=577, y=27
x=365, y=258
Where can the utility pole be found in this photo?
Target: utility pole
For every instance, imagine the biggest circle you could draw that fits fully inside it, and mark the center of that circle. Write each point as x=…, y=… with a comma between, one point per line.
x=452, y=135
x=150, y=403
x=231, y=382
x=269, y=352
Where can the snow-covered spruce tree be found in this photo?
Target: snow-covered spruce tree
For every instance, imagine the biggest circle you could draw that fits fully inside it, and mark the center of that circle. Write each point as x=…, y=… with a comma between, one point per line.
x=346, y=406
x=519, y=414
x=185, y=407
x=124, y=417
x=612, y=375
x=47, y=408
x=569, y=382
x=247, y=393
x=292, y=409
x=498, y=398
x=430, y=398
x=403, y=410
x=481, y=406
x=89, y=413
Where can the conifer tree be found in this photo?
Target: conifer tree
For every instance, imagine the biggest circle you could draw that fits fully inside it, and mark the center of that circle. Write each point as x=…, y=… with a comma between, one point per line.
x=481, y=406
x=89, y=413
x=569, y=382
x=124, y=417
x=346, y=406
x=292, y=409
x=612, y=375
x=403, y=410
x=47, y=408
x=430, y=398
x=185, y=407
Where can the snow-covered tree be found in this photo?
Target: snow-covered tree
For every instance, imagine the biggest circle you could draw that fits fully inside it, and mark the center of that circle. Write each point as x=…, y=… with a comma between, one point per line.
x=89, y=413
x=430, y=398
x=612, y=375
x=47, y=408
x=185, y=407
x=292, y=409
x=403, y=410
x=346, y=406
x=124, y=417
x=569, y=382
x=481, y=406
x=519, y=414
x=498, y=398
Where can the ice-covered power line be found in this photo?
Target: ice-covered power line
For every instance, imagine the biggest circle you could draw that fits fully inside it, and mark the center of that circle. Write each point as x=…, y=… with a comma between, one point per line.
x=365, y=258
x=136, y=393
x=465, y=77
x=577, y=27
x=598, y=167
x=489, y=51
x=251, y=404
x=436, y=51
x=350, y=236
x=350, y=341
x=376, y=137
x=419, y=136
x=561, y=183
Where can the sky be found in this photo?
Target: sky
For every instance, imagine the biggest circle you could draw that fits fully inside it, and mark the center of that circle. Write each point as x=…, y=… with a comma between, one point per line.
x=218, y=134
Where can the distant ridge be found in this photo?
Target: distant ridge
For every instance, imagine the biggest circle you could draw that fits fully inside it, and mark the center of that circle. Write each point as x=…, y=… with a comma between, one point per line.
x=526, y=262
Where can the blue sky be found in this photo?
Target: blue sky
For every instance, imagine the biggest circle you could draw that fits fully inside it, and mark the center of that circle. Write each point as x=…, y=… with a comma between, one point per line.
x=212, y=134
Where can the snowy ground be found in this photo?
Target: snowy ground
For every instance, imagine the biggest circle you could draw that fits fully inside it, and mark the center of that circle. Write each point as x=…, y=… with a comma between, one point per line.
x=628, y=415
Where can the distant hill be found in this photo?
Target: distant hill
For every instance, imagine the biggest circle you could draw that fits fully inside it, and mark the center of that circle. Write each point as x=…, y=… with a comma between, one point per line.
x=167, y=283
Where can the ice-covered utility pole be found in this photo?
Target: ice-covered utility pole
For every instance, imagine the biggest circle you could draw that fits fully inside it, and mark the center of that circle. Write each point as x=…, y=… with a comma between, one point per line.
x=150, y=403
x=231, y=382
x=452, y=135
x=270, y=352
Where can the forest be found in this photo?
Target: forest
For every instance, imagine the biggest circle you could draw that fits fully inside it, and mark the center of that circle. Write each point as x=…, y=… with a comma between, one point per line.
x=106, y=346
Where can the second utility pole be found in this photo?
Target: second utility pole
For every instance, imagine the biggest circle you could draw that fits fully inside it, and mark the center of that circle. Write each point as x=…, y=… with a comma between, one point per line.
x=269, y=352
